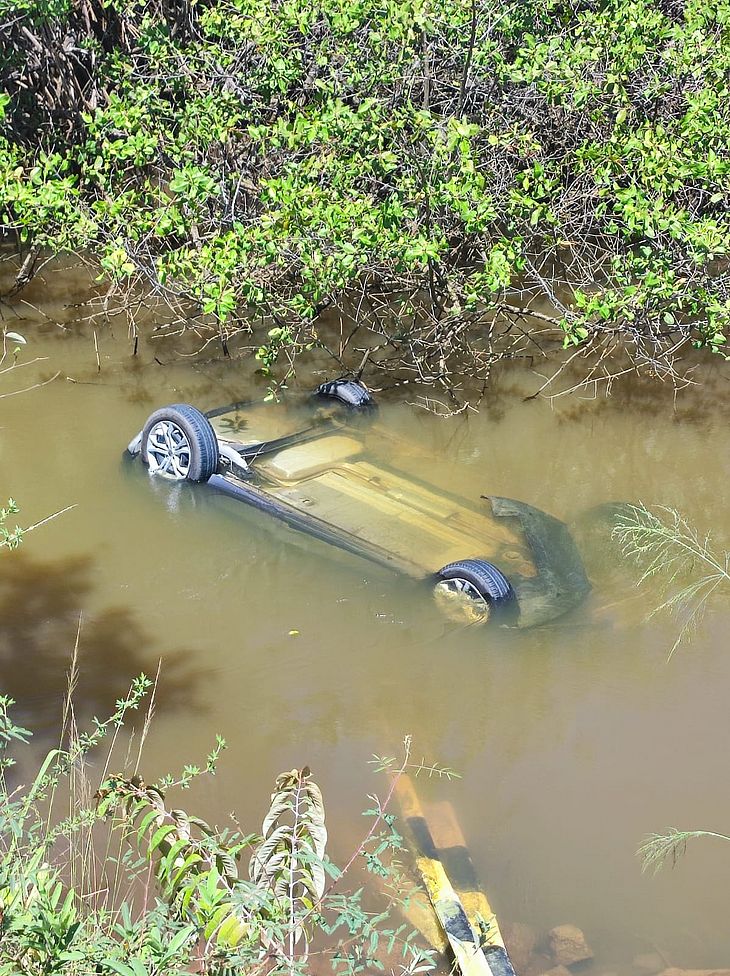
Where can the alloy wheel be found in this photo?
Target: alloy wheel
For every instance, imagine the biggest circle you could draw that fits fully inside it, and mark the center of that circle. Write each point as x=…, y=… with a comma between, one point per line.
x=460, y=599
x=168, y=451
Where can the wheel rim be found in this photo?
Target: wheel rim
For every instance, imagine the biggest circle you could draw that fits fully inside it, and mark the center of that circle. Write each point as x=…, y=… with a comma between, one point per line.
x=460, y=599
x=168, y=451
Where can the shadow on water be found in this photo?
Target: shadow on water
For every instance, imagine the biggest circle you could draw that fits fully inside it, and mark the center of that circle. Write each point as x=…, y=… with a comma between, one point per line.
x=41, y=604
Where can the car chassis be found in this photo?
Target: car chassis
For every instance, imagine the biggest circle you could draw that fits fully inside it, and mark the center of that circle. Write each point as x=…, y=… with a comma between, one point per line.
x=514, y=563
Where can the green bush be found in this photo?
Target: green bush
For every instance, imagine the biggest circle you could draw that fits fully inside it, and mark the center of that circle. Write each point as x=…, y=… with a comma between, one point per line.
x=262, y=161
x=125, y=883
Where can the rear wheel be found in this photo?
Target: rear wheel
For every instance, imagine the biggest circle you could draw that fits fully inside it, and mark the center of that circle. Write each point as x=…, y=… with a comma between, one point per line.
x=475, y=588
x=352, y=393
x=178, y=443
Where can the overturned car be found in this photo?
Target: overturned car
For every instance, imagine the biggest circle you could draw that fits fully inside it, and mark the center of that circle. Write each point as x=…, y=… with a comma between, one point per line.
x=501, y=559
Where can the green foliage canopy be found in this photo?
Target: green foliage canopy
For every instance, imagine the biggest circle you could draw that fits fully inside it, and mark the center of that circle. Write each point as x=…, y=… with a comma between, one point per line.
x=265, y=159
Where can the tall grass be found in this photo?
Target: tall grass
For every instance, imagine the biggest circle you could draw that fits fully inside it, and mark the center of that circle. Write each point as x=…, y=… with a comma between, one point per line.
x=101, y=873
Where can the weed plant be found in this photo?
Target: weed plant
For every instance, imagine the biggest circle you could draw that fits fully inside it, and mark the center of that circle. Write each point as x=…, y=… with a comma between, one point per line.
x=668, y=548
x=124, y=882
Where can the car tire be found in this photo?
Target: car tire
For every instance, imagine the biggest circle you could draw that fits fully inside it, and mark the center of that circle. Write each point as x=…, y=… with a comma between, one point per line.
x=178, y=443
x=479, y=579
x=352, y=393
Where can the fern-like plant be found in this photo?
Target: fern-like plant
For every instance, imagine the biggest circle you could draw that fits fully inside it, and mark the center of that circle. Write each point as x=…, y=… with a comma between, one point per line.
x=197, y=868
x=290, y=858
x=667, y=547
x=657, y=849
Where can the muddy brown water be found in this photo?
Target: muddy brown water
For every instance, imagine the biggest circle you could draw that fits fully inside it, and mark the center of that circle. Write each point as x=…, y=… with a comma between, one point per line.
x=573, y=741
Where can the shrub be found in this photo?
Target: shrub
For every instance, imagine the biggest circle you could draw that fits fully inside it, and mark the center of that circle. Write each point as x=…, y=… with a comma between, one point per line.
x=412, y=159
x=128, y=884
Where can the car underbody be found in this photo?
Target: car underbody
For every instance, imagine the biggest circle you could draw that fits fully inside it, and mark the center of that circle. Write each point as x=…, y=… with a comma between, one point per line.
x=329, y=471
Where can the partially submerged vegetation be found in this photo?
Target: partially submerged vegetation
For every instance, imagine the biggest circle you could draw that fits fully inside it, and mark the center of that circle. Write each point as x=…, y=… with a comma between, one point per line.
x=671, y=550
x=429, y=166
x=668, y=548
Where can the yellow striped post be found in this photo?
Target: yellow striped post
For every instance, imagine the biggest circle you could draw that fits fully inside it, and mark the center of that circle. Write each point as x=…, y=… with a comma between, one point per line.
x=446, y=869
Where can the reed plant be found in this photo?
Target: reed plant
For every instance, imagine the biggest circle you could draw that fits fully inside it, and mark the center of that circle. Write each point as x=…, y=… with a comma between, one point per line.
x=658, y=849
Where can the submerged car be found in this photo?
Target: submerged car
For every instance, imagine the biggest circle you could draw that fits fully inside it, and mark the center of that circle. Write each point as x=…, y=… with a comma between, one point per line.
x=313, y=468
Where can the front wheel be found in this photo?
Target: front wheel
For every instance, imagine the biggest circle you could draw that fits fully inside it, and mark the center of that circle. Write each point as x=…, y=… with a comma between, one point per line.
x=178, y=443
x=474, y=587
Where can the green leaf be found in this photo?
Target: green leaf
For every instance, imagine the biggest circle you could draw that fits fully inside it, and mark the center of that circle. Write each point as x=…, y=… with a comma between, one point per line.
x=232, y=932
x=180, y=938
x=221, y=913
x=136, y=967
x=159, y=836
x=149, y=818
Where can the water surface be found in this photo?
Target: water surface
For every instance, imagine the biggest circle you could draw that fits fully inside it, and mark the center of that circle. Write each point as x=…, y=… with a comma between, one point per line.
x=573, y=741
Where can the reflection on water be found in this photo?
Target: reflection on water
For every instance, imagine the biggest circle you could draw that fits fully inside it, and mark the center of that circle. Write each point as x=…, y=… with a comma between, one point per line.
x=574, y=741
x=41, y=608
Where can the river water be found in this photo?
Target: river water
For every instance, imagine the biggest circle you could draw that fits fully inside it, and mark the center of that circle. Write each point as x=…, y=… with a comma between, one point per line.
x=573, y=741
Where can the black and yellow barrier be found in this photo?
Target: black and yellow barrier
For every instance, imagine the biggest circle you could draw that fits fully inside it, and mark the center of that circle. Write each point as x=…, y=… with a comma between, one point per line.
x=465, y=920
